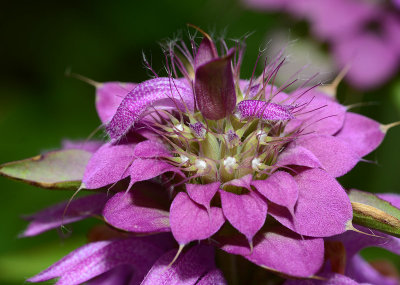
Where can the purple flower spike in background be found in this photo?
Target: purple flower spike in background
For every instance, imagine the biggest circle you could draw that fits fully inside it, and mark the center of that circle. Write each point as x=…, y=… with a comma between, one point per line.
x=208, y=177
x=361, y=34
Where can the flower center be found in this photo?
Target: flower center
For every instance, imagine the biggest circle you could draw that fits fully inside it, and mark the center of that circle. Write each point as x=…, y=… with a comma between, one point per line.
x=226, y=149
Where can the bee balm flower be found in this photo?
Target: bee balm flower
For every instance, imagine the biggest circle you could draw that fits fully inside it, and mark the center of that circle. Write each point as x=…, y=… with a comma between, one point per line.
x=211, y=158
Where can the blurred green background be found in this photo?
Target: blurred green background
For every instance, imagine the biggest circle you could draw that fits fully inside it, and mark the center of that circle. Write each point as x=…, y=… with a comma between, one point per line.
x=104, y=40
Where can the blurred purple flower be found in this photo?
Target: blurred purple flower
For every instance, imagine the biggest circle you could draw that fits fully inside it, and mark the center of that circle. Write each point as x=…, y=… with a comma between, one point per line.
x=363, y=34
x=211, y=157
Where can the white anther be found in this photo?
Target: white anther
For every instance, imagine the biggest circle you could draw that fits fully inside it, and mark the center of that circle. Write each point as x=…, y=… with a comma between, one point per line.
x=230, y=162
x=256, y=164
x=184, y=158
x=179, y=127
x=200, y=164
x=238, y=115
x=261, y=135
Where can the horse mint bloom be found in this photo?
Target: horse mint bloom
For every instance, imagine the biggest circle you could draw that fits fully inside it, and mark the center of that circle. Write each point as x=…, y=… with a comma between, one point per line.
x=201, y=162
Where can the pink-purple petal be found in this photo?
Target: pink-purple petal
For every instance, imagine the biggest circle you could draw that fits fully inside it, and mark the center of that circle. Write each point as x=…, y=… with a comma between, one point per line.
x=214, y=276
x=280, y=188
x=361, y=271
x=246, y=212
x=361, y=133
x=97, y=258
x=355, y=241
x=202, y=193
x=317, y=112
x=123, y=274
x=108, y=165
x=190, y=222
x=330, y=279
x=186, y=270
x=282, y=251
x=58, y=215
x=323, y=207
x=136, y=212
x=145, y=169
x=392, y=198
x=335, y=155
x=70, y=261
x=372, y=61
x=165, y=92
x=244, y=181
x=298, y=155
x=108, y=97
x=151, y=149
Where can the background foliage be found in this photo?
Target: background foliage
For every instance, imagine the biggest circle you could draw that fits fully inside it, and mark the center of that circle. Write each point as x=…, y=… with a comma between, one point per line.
x=40, y=106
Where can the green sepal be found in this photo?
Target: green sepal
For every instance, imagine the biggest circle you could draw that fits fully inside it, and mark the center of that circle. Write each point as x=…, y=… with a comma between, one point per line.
x=375, y=213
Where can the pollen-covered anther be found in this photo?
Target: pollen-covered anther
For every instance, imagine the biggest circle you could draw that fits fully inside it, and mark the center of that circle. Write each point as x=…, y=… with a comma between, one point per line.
x=261, y=135
x=230, y=164
x=201, y=165
x=179, y=127
x=257, y=165
x=184, y=159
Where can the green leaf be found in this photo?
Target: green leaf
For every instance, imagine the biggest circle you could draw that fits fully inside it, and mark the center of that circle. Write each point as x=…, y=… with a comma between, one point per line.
x=61, y=169
x=372, y=212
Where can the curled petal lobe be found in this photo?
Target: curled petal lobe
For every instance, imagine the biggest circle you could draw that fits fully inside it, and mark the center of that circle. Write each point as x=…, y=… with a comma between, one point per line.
x=323, y=207
x=165, y=92
x=190, y=221
x=215, y=89
x=263, y=110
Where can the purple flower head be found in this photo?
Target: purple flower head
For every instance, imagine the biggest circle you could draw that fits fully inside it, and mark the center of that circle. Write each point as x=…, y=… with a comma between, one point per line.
x=362, y=34
x=210, y=161
x=218, y=145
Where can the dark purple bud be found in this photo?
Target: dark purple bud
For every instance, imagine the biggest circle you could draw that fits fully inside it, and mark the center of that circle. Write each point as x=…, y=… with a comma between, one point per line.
x=206, y=52
x=215, y=89
x=264, y=110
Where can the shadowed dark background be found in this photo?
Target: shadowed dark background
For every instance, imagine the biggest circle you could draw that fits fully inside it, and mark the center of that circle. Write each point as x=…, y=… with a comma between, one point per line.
x=103, y=40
